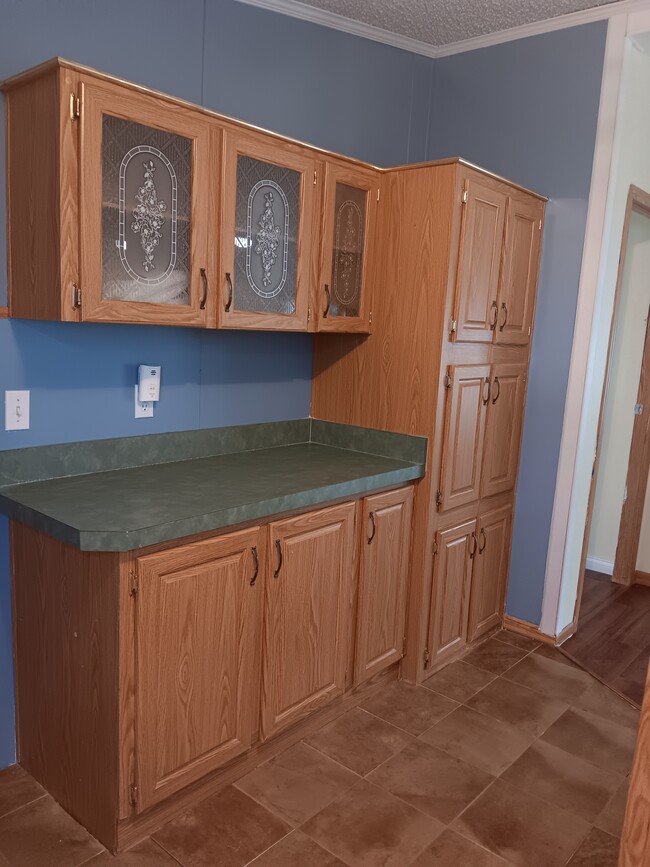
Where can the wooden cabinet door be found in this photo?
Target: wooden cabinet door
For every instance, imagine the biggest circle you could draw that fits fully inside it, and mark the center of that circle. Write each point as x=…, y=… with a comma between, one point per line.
x=198, y=626
x=266, y=233
x=518, y=286
x=307, y=614
x=462, y=449
x=505, y=416
x=490, y=575
x=383, y=575
x=455, y=550
x=475, y=305
x=146, y=170
x=342, y=302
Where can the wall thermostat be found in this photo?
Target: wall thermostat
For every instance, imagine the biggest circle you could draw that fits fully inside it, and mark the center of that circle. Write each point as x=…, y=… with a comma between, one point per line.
x=148, y=383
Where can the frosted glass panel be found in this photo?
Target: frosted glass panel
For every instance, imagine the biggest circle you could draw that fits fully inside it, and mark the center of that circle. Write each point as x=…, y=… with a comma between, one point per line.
x=266, y=237
x=347, y=255
x=146, y=206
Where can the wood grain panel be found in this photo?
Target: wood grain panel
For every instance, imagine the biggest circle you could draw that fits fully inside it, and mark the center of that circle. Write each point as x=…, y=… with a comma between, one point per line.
x=383, y=574
x=198, y=622
x=480, y=260
x=306, y=619
x=66, y=647
x=505, y=417
x=490, y=572
x=4, y=312
x=456, y=549
x=635, y=839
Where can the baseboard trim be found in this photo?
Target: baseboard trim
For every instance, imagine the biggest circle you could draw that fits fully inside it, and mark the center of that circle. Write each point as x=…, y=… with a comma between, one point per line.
x=566, y=633
x=595, y=564
x=642, y=578
x=523, y=627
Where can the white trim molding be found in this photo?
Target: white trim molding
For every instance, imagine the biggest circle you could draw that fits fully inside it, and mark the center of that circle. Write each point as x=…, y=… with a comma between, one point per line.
x=305, y=12
x=605, y=567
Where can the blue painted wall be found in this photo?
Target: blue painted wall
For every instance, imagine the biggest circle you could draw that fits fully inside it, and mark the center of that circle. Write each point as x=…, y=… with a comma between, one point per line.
x=284, y=74
x=528, y=110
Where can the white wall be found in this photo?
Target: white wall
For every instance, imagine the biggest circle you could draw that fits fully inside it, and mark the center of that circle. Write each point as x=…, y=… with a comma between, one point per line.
x=630, y=165
x=622, y=388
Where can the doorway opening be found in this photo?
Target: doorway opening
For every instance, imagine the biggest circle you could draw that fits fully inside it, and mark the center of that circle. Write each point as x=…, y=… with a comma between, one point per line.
x=612, y=639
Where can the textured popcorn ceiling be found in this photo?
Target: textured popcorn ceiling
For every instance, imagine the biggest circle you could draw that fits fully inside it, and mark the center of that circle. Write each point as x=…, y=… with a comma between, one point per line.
x=441, y=22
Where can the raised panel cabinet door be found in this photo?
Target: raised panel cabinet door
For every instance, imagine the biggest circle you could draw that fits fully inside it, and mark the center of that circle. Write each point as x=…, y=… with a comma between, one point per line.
x=455, y=550
x=198, y=626
x=462, y=450
x=383, y=575
x=505, y=412
x=146, y=169
x=479, y=263
x=490, y=574
x=266, y=234
x=349, y=219
x=307, y=614
x=518, y=286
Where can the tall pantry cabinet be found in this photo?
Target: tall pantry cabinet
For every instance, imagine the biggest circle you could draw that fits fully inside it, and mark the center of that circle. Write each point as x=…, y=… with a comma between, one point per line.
x=458, y=254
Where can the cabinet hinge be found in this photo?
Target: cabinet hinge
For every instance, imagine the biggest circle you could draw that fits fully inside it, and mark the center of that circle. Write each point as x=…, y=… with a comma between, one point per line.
x=370, y=318
x=540, y=224
x=453, y=325
x=133, y=795
x=464, y=197
x=447, y=381
x=436, y=548
x=427, y=657
x=439, y=497
x=404, y=647
x=76, y=296
x=378, y=193
x=309, y=314
x=134, y=583
x=315, y=176
x=75, y=107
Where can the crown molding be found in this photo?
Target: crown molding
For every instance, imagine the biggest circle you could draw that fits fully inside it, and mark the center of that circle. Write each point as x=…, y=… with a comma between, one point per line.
x=304, y=12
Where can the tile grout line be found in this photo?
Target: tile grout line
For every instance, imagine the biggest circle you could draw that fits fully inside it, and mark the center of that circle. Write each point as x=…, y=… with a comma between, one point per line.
x=23, y=806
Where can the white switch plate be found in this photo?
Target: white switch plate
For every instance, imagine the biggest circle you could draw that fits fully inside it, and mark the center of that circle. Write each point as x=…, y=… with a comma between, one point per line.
x=143, y=409
x=16, y=410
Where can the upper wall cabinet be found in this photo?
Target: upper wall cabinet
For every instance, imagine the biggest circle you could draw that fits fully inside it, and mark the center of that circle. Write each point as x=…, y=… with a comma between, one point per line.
x=266, y=234
x=342, y=301
x=146, y=175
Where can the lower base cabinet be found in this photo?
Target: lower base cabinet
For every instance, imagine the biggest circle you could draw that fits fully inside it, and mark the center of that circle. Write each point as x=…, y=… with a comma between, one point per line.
x=490, y=573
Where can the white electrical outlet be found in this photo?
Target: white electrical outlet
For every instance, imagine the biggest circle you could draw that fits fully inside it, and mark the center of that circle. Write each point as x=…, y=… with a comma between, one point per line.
x=143, y=409
x=16, y=410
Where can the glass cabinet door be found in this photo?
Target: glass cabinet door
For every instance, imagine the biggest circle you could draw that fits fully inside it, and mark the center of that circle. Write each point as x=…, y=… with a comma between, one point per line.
x=349, y=219
x=144, y=210
x=266, y=235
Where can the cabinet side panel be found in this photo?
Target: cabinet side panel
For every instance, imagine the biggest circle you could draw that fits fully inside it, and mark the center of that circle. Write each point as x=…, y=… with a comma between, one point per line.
x=33, y=199
x=66, y=646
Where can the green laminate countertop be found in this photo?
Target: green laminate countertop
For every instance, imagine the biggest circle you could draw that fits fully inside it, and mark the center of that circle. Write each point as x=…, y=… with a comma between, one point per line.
x=132, y=507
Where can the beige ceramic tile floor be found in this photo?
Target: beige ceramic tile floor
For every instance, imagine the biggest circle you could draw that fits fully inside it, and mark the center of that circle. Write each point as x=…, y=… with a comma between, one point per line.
x=512, y=756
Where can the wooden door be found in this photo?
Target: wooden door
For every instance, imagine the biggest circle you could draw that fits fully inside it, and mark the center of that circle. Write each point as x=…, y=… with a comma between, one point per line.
x=455, y=550
x=307, y=614
x=146, y=170
x=383, y=574
x=490, y=575
x=198, y=626
x=266, y=233
x=505, y=416
x=518, y=285
x=342, y=302
x=462, y=449
x=479, y=262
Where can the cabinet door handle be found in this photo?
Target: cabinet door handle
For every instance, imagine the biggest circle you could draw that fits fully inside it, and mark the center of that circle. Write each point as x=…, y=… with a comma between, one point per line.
x=278, y=548
x=204, y=298
x=371, y=516
x=474, y=546
x=498, y=388
x=494, y=308
x=502, y=325
x=486, y=397
x=329, y=302
x=256, y=561
x=229, y=301
x=481, y=548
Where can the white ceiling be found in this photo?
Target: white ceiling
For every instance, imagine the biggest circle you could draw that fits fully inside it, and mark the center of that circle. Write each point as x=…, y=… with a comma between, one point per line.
x=443, y=22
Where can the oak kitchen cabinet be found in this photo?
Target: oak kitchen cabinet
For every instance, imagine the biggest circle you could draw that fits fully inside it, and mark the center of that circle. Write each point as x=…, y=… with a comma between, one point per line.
x=163, y=667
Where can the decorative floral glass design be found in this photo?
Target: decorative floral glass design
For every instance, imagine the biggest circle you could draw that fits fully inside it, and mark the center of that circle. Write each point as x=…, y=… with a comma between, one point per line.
x=146, y=206
x=266, y=237
x=347, y=254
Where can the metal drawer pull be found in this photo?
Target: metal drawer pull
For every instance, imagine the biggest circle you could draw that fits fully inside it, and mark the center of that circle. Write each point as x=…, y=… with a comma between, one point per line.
x=505, y=318
x=278, y=547
x=374, y=527
x=256, y=561
x=486, y=397
x=329, y=302
x=482, y=547
x=472, y=550
x=494, y=308
x=498, y=388
x=204, y=280
x=229, y=301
